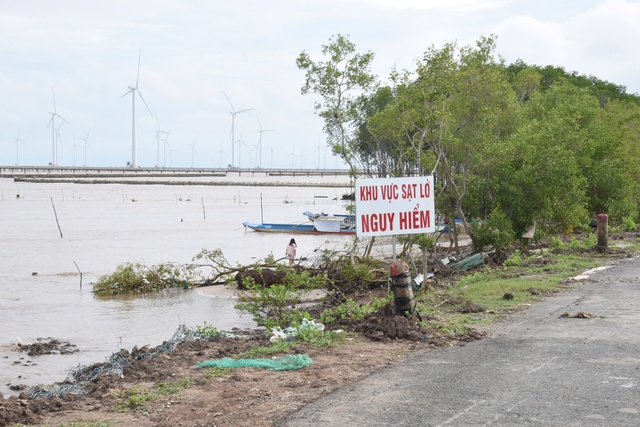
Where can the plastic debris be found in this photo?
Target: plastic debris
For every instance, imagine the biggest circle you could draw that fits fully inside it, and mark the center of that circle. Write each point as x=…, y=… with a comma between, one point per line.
x=288, y=362
x=289, y=334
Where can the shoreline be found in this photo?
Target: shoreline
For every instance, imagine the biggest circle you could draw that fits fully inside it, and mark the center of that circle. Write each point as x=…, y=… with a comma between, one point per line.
x=168, y=182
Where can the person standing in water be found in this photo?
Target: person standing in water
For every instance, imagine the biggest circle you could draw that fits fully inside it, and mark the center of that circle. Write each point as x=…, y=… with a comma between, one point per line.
x=291, y=251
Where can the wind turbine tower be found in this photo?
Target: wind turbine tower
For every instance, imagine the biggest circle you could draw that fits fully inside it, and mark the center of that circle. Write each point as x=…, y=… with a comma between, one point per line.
x=54, y=131
x=193, y=149
x=18, y=141
x=86, y=142
x=233, y=113
x=132, y=90
x=260, y=142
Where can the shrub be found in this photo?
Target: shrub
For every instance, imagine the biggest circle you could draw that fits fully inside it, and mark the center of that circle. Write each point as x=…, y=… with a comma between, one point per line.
x=139, y=278
x=629, y=224
x=496, y=231
x=274, y=306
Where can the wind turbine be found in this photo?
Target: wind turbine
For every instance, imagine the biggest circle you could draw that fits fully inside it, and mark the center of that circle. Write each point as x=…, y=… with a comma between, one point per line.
x=239, y=142
x=221, y=152
x=233, y=113
x=260, y=141
x=193, y=148
x=164, y=149
x=74, y=153
x=157, y=140
x=86, y=142
x=54, y=131
x=132, y=90
x=17, y=142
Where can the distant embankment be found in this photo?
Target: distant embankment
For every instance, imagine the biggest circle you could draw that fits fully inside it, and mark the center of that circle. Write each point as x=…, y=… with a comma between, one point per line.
x=177, y=176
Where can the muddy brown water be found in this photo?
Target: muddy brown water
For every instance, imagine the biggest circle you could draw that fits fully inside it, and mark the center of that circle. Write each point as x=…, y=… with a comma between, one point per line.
x=105, y=225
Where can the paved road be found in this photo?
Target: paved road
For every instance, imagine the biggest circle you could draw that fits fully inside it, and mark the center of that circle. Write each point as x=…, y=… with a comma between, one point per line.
x=539, y=369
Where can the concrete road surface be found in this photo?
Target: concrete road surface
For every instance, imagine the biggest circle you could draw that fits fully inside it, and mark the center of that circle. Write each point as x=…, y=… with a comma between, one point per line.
x=538, y=369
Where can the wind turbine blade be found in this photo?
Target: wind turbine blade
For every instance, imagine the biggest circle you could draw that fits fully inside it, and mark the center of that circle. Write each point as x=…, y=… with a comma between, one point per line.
x=138, y=76
x=54, y=99
x=145, y=102
x=242, y=111
x=229, y=101
x=63, y=119
x=128, y=92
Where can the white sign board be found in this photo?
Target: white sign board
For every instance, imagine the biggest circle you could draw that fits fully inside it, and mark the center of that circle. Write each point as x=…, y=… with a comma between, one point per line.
x=391, y=206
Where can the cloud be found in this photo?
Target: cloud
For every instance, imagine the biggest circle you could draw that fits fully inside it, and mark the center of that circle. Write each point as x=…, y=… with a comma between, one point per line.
x=598, y=41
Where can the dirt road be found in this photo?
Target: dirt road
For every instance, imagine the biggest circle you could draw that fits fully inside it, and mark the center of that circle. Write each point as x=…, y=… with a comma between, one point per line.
x=571, y=360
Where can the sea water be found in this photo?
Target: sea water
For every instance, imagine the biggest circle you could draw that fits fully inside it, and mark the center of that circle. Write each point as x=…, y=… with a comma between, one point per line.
x=58, y=238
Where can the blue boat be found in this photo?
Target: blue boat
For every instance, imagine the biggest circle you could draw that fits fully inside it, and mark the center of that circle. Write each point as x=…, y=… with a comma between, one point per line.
x=294, y=228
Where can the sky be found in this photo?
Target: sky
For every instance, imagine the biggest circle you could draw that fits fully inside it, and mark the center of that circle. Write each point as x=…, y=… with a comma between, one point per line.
x=200, y=60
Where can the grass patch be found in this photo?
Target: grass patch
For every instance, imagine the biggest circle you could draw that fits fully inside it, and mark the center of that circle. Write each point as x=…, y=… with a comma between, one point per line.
x=136, y=397
x=482, y=296
x=270, y=350
x=217, y=372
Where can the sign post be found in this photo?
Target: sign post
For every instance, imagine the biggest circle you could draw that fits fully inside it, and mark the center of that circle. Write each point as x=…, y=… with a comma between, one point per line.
x=392, y=206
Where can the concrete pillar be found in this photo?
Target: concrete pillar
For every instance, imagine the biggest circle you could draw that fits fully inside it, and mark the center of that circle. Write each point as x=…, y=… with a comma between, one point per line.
x=405, y=303
x=603, y=232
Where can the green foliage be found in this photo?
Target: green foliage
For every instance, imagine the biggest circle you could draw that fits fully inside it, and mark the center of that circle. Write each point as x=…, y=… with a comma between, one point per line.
x=220, y=267
x=208, y=331
x=277, y=347
x=136, y=397
x=338, y=81
x=526, y=282
x=514, y=260
x=138, y=278
x=573, y=244
x=629, y=224
x=495, y=231
x=273, y=306
x=270, y=259
x=350, y=309
x=318, y=338
x=217, y=372
x=165, y=388
x=357, y=272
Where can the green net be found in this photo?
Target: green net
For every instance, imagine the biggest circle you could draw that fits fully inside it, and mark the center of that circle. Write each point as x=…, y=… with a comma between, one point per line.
x=287, y=362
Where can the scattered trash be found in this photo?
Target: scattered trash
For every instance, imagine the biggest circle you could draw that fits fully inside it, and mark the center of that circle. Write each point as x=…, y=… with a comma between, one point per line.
x=581, y=315
x=289, y=334
x=419, y=281
x=469, y=262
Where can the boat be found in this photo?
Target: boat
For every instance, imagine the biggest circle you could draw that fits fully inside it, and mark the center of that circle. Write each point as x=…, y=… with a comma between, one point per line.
x=333, y=222
x=314, y=228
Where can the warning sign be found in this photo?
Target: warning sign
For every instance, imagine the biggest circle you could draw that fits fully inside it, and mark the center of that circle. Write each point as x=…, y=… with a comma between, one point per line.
x=391, y=206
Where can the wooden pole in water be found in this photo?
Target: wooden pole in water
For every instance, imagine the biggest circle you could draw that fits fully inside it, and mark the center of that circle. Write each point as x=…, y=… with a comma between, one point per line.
x=80, y=273
x=261, y=210
x=204, y=213
x=56, y=214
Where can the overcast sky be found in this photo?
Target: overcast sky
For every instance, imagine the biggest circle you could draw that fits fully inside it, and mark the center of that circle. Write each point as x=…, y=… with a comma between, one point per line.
x=195, y=52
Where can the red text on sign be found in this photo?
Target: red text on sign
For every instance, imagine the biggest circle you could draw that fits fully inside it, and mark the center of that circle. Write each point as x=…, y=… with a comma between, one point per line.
x=414, y=219
x=373, y=223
